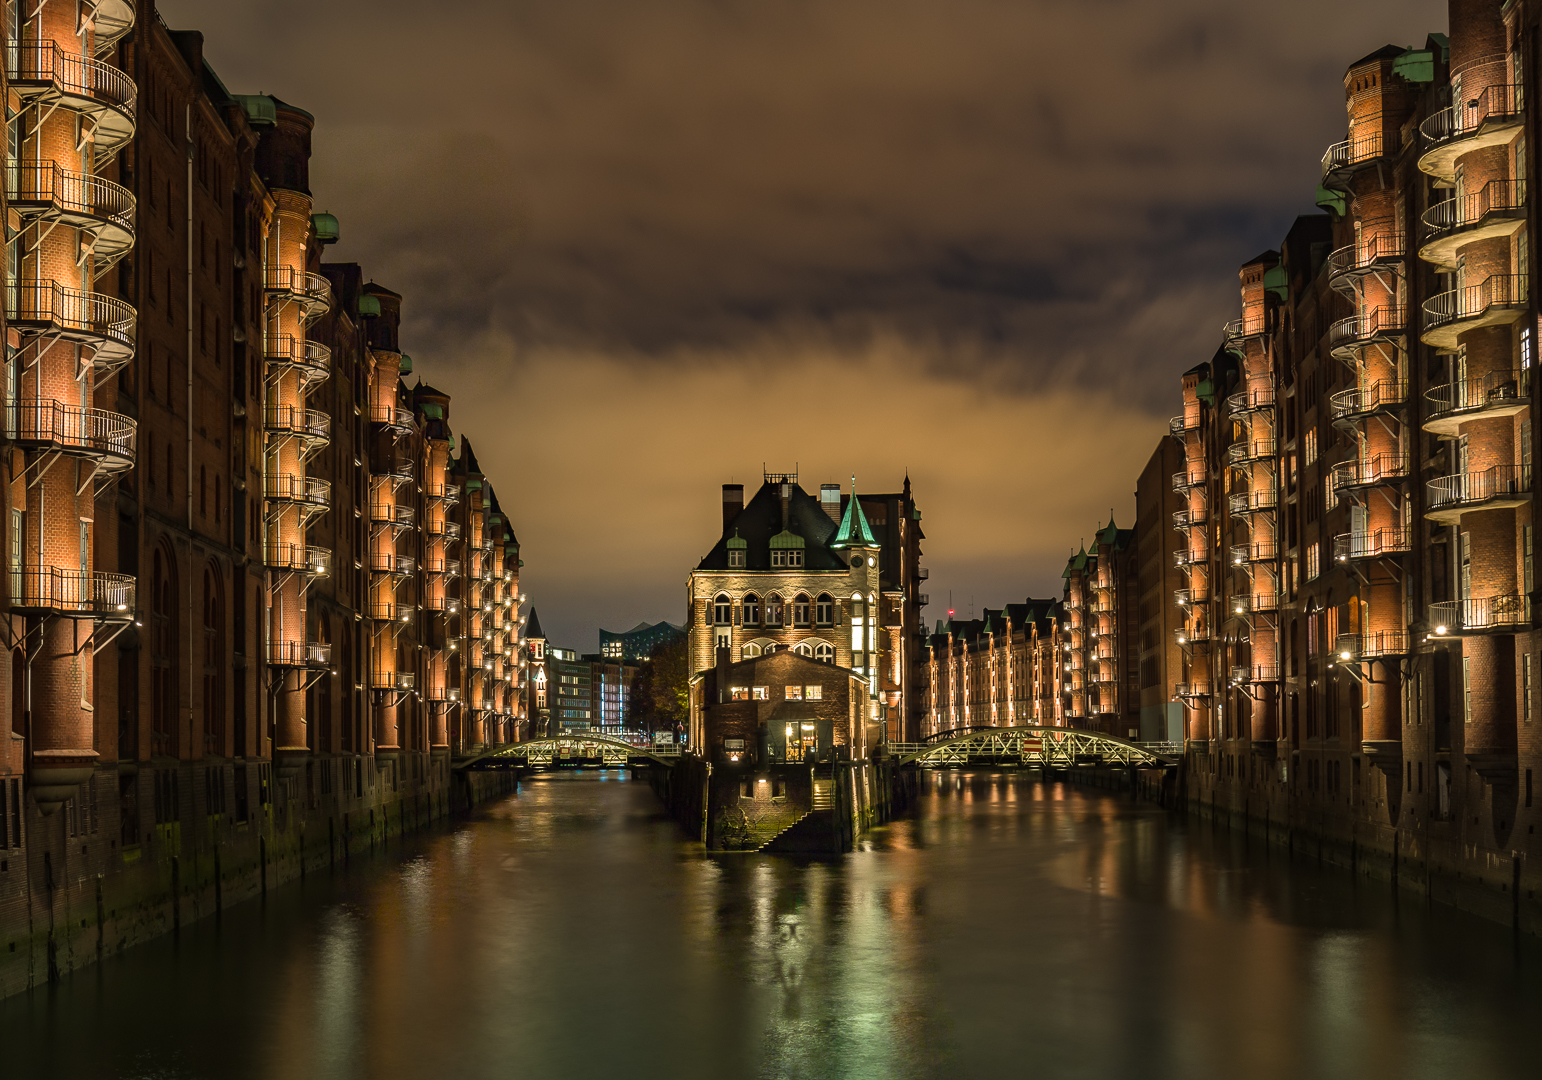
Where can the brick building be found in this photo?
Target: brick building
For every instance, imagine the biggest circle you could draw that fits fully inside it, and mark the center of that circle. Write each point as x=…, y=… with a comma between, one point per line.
x=1005, y=669
x=1359, y=645
x=253, y=580
x=1160, y=521
x=836, y=579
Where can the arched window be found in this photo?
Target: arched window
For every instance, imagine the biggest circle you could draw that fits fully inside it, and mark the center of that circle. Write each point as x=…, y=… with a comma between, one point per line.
x=802, y=649
x=722, y=610
x=751, y=650
x=163, y=653
x=751, y=606
x=824, y=610
x=769, y=649
x=800, y=610
x=774, y=611
x=825, y=651
x=213, y=662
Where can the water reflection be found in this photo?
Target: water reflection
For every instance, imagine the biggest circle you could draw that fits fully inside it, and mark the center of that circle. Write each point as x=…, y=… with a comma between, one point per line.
x=1009, y=928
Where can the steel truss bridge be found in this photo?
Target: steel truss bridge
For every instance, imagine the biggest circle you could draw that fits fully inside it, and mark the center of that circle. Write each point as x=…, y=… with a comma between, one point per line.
x=1056, y=747
x=574, y=750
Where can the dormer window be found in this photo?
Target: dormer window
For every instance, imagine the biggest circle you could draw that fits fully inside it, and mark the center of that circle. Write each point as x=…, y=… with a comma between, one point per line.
x=785, y=558
x=736, y=559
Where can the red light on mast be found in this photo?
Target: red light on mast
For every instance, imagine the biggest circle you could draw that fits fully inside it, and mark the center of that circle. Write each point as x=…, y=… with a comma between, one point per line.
x=950, y=613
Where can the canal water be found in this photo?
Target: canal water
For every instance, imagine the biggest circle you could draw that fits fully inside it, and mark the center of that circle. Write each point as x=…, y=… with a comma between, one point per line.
x=1010, y=928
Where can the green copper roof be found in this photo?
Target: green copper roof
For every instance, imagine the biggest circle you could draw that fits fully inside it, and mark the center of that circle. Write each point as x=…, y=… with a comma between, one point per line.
x=784, y=539
x=406, y=364
x=327, y=229
x=853, y=531
x=737, y=541
x=369, y=306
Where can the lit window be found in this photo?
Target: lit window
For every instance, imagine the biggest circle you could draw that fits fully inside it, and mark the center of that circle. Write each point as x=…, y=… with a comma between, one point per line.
x=739, y=693
x=794, y=693
x=814, y=693
x=762, y=693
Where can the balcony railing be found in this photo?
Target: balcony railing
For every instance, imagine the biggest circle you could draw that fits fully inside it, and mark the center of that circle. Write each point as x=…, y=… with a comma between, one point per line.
x=1185, y=597
x=388, y=562
x=1249, y=450
x=1254, y=400
x=73, y=593
x=1377, y=471
x=1189, y=635
x=85, y=84
x=312, y=357
x=1396, y=540
x=1186, y=557
x=1497, y=293
x=1189, y=519
x=1499, y=103
x=1192, y=689
x=1256, y=673
x=448, y=604
x=1505, y=198
x=1252, y=502
x=1357, y=330
x=1255, y=602
x=444, y=492
x=1359, y=151
x=311, y=291
x=81, y=200
x=1501, y=483
x=1503, y=391
x=1484, y=614
x=1379, y=396
x=1374, y=252
x=1238, y=330
x=72, y=430
x=292, y=488
x=1372, y=645
x=311, y=425
x=401, y=517
x=392, y=416
x=299, y=654
x=74, y=314
x=1191, y=477
x=1257, y=551
x=300, y=558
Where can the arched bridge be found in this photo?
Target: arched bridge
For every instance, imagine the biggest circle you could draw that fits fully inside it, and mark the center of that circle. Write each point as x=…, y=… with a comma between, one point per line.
x=578, y=750
x=1057, y=747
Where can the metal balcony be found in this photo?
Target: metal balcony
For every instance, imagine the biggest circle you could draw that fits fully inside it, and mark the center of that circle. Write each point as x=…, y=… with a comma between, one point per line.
x=305, y=491
x=1192, y=477
x=1248, y=401
x=47, y=308
x=1254, y=674
x=1344, y=158
x=42, y=191
x=1499, y=300
x=392, y=416
x=312, y=359
x=106, y=438
x=1394, y=541
x=1192, y=690
x=1255, y=603
x=1237, y=331
x=1250, y=450
x=1484, y=615
x=1347, y=336
x=392, y=680
x=1361, y=402
x=298, y=558
x=389, y=562
x=45, y=73
x=73, y=594
x=1496, y=209
x=1381, y=470
x=299, y=654
x=1372, y=646
x=447, y=493
x=1252, y=502
x=311, y=291
x=1190, y=635
x=1496, y=488
x=1496, y=394
x=311, y=426
x=396, y=516
x=1189, y=519
x=385, y=608
x=1186, y=557
x=450, y=605
x=1257, y=552
x=1488, y=117
x=1381, y=252
x=1185, y=597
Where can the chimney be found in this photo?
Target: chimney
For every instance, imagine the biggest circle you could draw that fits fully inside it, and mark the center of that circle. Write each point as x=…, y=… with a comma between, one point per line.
x=733, y=502
x=830, y=501
x=721, y=659
x=786, y=498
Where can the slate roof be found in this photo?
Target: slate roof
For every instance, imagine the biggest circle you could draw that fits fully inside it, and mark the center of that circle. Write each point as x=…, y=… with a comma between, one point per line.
x=761, y=519
x=533, y=626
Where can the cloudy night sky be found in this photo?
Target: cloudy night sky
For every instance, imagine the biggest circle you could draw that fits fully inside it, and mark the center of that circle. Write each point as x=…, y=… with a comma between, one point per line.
x=649, y=245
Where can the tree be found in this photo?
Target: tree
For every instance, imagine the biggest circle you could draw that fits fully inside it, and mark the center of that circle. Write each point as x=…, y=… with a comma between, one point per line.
x=661, y=693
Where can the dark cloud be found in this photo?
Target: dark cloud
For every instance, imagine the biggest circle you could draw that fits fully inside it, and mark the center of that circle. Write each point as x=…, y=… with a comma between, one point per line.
x=1032, y=197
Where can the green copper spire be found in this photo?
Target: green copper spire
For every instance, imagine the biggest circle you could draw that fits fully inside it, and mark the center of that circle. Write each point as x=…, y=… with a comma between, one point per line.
x=853, y=531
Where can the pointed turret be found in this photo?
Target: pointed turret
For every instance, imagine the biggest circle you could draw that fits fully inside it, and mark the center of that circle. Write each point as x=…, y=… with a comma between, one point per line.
x=854, y=531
